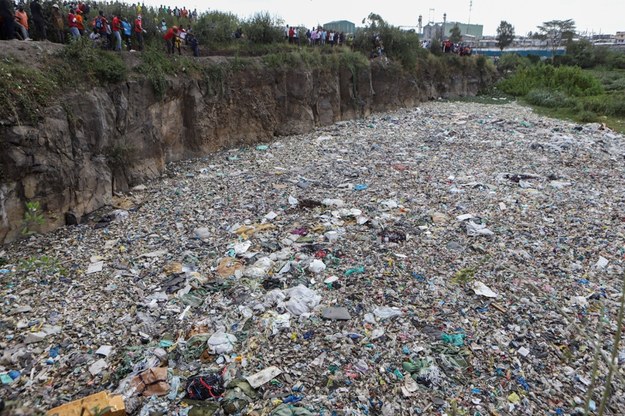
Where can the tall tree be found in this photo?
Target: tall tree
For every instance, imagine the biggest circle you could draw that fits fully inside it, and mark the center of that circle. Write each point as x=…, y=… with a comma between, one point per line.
x=505, y=35
x=455, y=35
x=555, y=31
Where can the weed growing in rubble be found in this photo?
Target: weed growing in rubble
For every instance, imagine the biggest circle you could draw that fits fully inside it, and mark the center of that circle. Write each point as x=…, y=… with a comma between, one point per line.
x=41, y=264
x=464, y=276
x=32, y=218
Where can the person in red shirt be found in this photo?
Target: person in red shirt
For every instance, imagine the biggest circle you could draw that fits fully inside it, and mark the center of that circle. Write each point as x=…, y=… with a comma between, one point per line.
x=80, y=22
x=170, y=38
x=73, y=24
x=21, y=18
x=115, y=28
x=139, y=32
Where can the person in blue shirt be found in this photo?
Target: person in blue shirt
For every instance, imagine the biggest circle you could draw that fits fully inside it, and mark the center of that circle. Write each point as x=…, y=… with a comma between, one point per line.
x=126, y=32
x=194, y=44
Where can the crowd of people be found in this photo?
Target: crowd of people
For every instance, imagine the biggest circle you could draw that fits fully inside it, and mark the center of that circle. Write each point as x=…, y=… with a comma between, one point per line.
x=315, y=36
x=447, y=46
x=74, y=20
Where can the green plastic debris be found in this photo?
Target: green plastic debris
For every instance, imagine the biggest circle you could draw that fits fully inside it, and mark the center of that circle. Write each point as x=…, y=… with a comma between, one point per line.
x=262, y=147
x=410, y=367
x=453, y=339
x=165, y=343
x=356, y=270
x=5, y=378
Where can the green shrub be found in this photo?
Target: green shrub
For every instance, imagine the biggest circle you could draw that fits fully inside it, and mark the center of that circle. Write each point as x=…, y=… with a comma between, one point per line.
x=584, y=54
x=579, y=53
x=353, y=61
x=263, y=28
x=121, y=156
x=400, y=45
x=570, y=80
x=587, y=117
x=616, y=60
x=609, y=105
x=93, y=63
x=436, y=47
x=511, y=62
x=216, y=29
x=549, y=99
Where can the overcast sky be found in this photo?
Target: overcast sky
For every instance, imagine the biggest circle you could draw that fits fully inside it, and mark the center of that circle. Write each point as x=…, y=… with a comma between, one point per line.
x=600, y=16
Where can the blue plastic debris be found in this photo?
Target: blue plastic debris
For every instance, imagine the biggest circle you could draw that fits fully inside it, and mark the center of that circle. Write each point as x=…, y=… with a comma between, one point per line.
x=418, y=276
x=521, y=380
x=292, y=399
x=54, y=352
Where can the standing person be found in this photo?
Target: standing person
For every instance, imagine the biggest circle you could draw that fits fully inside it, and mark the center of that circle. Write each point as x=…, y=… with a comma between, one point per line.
x=182, y=35
x=139, y=32
x=38, y=20
x=178, y=40
x=116, y=28
x=101, y=25
x=73, y=25
x=85, y=9
x=169, y=37
x=126, y=32
x=21, y=18
x=58, y=23
x=194, y=44
x=80, y=23
x=296, y=36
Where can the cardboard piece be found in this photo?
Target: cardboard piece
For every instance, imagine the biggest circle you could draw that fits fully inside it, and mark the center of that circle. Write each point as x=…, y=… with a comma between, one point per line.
x=88, y=406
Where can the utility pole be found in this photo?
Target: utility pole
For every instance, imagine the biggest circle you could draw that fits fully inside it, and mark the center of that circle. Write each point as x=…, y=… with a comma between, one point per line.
x=470, y=9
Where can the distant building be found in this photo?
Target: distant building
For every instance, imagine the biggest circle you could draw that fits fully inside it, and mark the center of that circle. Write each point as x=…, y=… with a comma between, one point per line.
x=344, y=26
x=431, y=30
x=620, y=38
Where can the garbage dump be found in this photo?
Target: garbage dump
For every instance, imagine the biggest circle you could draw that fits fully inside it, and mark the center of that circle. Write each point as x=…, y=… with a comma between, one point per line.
x=446, y=259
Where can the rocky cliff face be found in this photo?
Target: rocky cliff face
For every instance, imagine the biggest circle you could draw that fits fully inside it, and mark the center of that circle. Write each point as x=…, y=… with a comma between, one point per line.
x=92, y=144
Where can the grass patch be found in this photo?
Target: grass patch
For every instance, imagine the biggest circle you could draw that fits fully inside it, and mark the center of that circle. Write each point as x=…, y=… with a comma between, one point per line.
x=24, y=91
x=572, y=81
x=549, y=98
x=92, y=64
x=156, y=66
